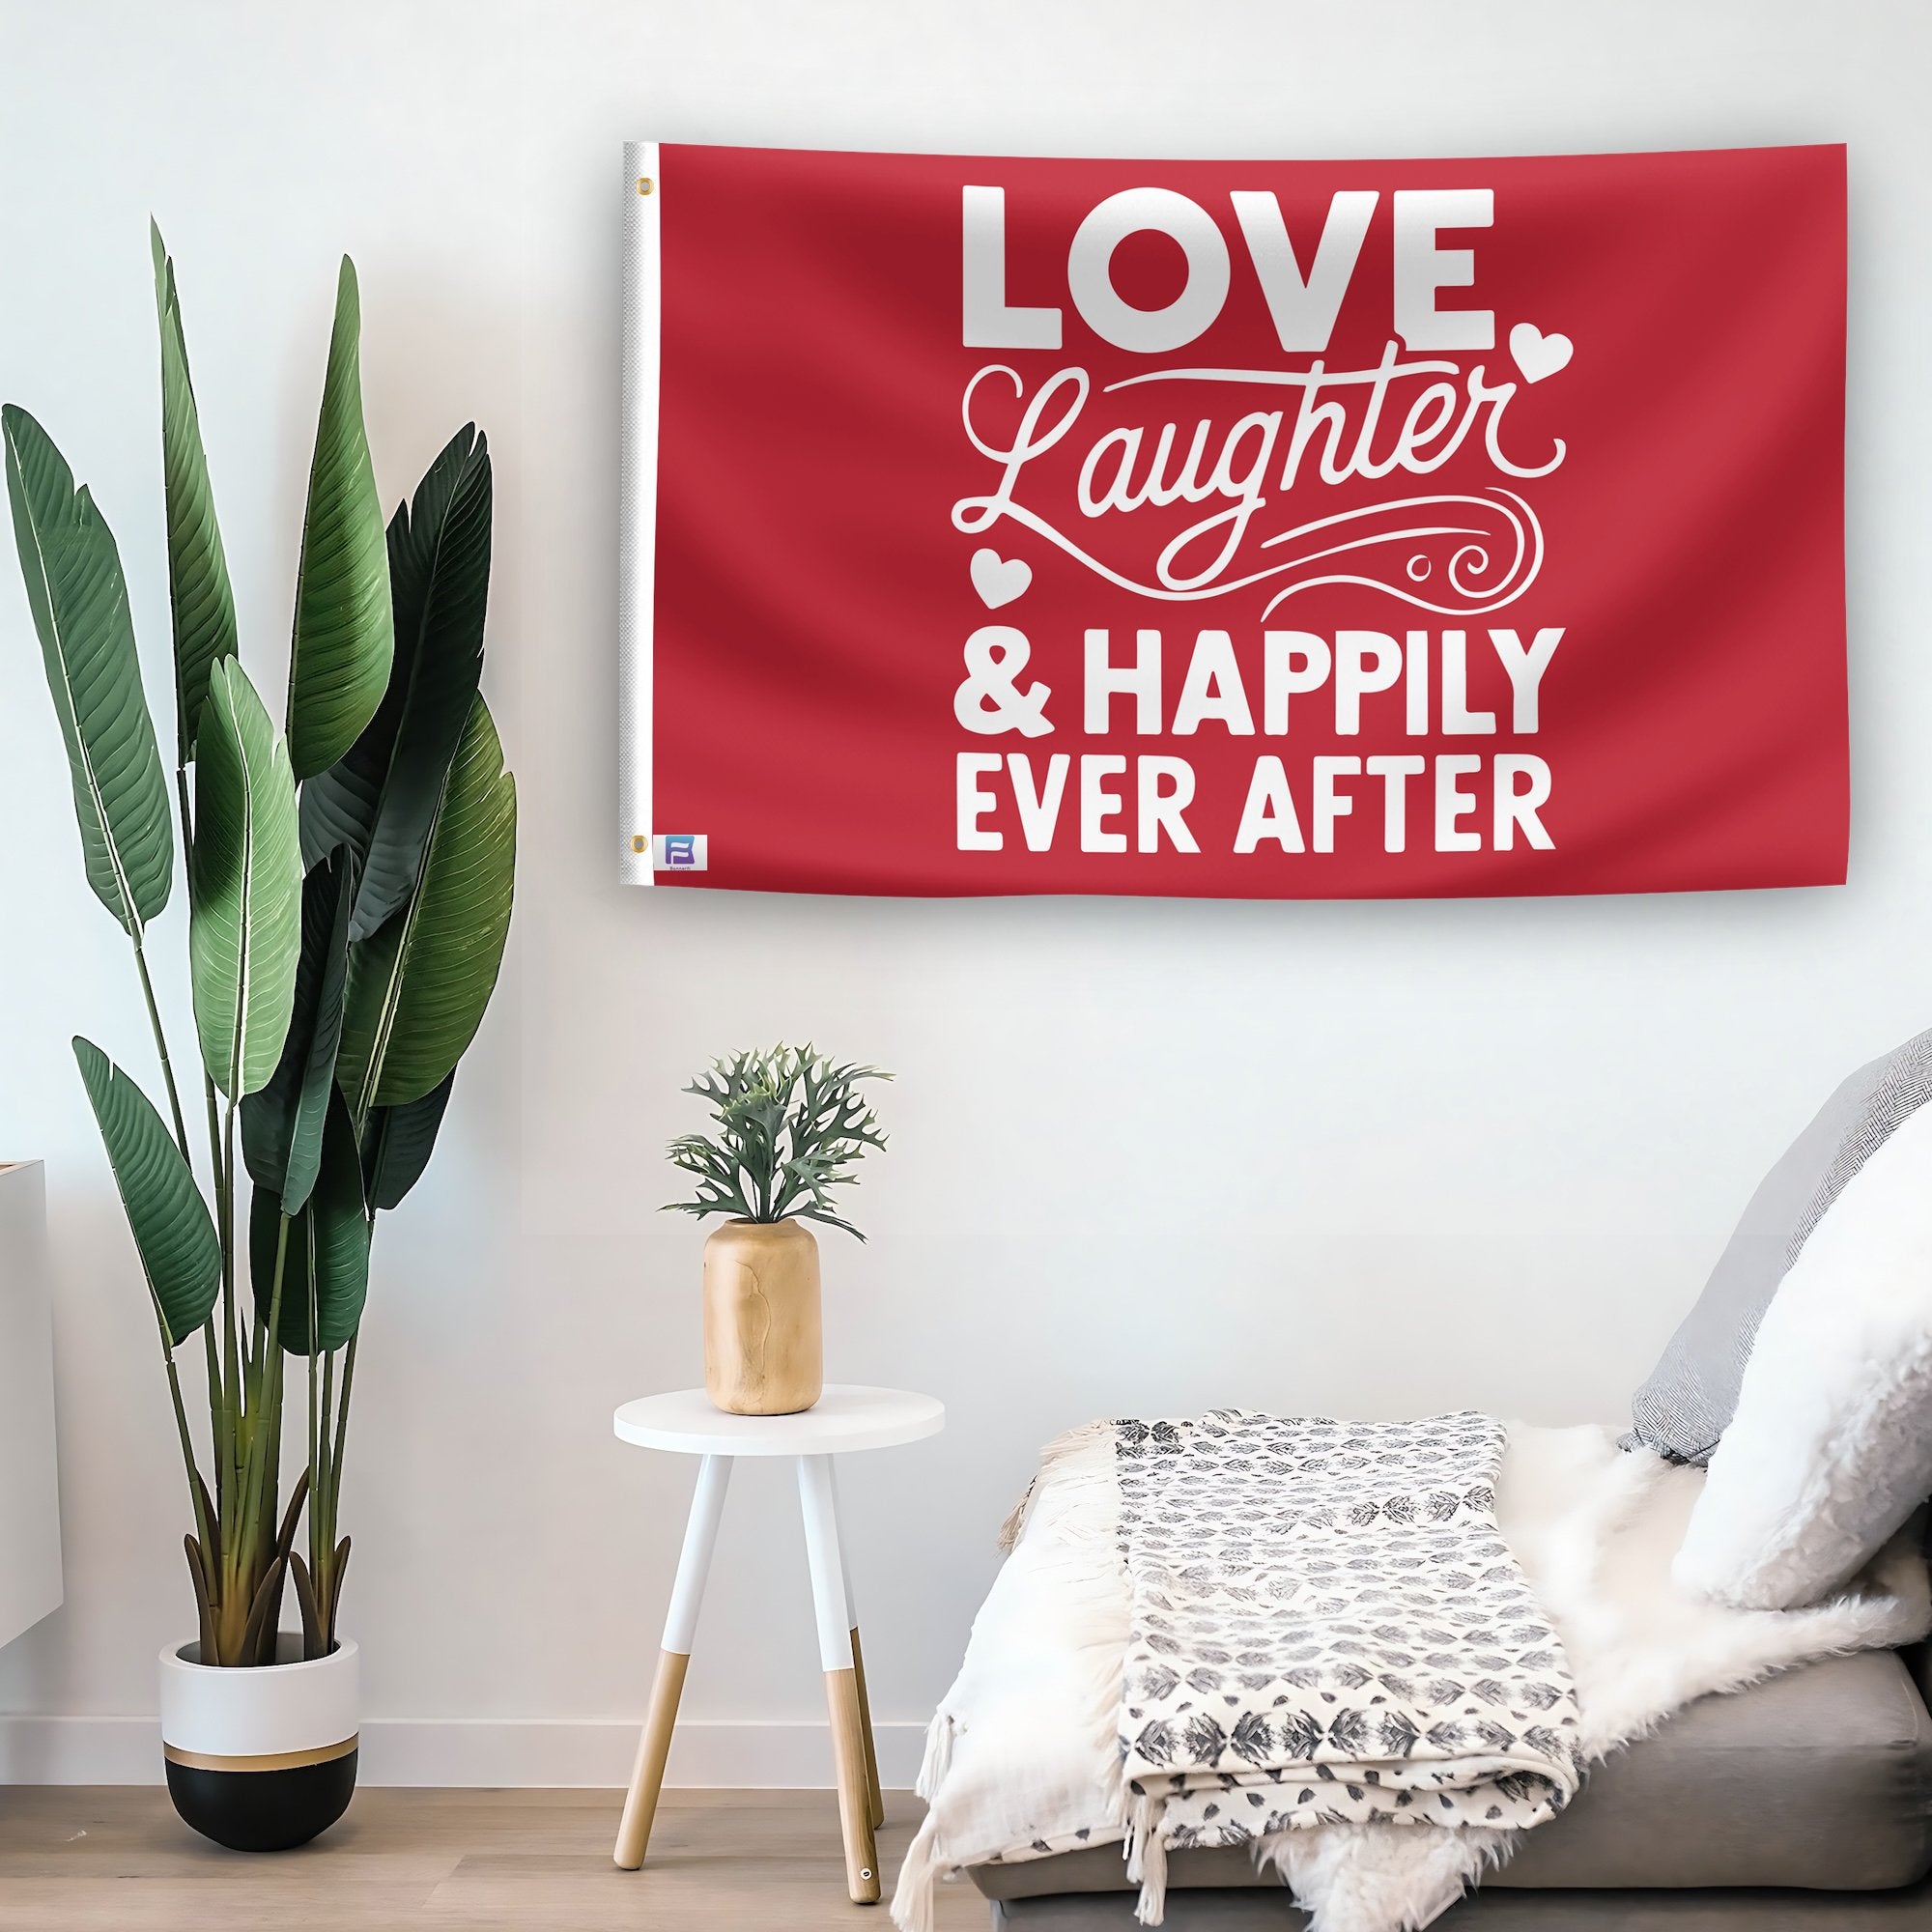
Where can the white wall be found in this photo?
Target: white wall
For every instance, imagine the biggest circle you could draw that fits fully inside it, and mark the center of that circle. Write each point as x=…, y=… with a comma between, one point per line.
x=1368, y=1158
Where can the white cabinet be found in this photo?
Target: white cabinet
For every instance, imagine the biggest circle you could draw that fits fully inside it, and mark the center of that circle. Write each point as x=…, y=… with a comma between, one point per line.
x=30, y=1558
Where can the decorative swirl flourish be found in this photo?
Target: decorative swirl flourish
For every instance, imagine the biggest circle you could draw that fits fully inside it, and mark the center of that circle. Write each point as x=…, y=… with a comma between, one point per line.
x=1469, y=576
x=1494, y=522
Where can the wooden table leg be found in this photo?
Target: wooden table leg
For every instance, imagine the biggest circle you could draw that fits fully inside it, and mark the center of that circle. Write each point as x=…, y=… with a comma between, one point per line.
x=819, y=1509
x=877, y=1797
x=855, y=1805
x=640, y=1800
x=694, y=1564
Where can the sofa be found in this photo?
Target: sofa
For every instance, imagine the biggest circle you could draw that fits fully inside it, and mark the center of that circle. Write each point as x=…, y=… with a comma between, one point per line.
x=1802, y=1804
x=1801, y=1383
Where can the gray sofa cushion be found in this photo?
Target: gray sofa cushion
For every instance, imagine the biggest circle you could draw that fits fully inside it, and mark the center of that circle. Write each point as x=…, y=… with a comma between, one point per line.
x=1692, y=1393
x=1487, y=1910
x=1820, y=1780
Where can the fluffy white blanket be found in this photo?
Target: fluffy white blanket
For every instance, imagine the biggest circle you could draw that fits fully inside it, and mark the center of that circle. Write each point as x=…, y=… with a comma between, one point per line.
x=1023, y=1758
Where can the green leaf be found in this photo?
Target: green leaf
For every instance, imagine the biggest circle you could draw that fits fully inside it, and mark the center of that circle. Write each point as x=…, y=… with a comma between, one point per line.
x=791, y=1126
x=418, y=987
x=245, y=883
x=398, y=1141
x=198, y=589
x=344, y=635
x=281, y=1126
x=380, y=799
x=326, y=1264
x=79, y=601
x=173, y=1233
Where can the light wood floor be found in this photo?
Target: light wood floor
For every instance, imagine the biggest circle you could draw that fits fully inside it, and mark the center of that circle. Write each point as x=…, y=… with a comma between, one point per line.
x=74, y=1860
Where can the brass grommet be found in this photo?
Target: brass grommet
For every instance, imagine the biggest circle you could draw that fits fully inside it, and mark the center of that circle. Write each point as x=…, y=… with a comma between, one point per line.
x=643, y=184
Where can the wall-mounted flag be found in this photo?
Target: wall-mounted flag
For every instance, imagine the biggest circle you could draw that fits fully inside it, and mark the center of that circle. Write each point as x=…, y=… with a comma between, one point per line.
x=1252, y=530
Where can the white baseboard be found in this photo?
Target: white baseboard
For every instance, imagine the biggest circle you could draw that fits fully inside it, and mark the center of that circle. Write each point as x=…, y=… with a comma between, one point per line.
x=479, y=1751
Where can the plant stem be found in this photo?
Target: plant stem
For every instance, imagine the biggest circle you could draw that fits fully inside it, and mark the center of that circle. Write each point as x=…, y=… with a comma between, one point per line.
x=322, y=1521
x=341, y=1426
x=161, y=1047
x=235, y=1418
x=231, y=1360
x=191, y=1467
x=194, y=1487
x=220, y=1435
x=243, y=1567
x=322, y=1526
x=266, y=1406
x=216, y=1435
x=316, y=1435
x=321, y=1518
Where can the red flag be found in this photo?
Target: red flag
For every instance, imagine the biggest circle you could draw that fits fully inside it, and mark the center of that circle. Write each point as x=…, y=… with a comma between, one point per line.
x=1252, y=530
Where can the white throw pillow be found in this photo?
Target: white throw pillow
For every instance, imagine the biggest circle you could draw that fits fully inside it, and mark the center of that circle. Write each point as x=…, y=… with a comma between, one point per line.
x=1831, y=1449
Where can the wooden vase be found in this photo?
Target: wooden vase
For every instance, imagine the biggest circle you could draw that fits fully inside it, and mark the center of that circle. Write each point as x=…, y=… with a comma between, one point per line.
x=764, y=1349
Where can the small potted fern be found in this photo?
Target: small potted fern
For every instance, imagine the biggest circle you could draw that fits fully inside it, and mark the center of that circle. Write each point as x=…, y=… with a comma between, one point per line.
x=789, y=1126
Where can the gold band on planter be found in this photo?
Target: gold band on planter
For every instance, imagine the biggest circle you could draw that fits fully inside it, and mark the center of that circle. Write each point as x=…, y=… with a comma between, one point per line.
x=269, y=1761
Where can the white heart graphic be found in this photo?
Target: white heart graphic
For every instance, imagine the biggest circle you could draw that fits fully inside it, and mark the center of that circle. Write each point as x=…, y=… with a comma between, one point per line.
x=1538, y=355
x=998, y=579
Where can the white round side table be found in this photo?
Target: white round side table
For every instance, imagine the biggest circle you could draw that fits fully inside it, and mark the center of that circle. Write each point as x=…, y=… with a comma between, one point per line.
x=845, y=1418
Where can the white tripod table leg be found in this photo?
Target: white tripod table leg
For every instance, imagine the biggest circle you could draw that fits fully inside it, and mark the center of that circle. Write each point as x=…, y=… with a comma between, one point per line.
x=694, y=1564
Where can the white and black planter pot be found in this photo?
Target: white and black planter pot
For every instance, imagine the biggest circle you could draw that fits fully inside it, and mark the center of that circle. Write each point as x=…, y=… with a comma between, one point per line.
x=263, y=1759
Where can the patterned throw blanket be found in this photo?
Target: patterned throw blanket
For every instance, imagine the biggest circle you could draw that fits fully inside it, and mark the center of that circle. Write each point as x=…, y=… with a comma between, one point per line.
x=1023, y=1760
x=1326, y=1626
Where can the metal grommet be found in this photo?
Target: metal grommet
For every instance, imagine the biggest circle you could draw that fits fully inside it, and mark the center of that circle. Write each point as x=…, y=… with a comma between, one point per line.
x=643, y=184
x=639, y=841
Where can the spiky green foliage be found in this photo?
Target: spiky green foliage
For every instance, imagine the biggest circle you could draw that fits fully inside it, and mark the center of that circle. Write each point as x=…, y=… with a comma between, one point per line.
x=792, y=1126
x=397, y=1144
x=281, y=1124
x=71, y=568
x=173, y=1234
x=199, y=596
x=419, y=985
x=345, y=632
x=325, y=1262
x=244, y=887
x=380, y=799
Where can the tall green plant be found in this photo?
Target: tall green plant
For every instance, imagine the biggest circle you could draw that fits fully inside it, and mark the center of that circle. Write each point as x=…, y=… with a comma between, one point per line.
x=349, y=883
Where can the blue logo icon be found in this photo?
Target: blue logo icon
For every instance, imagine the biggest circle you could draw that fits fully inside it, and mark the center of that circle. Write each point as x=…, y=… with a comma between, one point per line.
x=679, y=852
